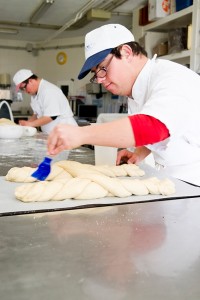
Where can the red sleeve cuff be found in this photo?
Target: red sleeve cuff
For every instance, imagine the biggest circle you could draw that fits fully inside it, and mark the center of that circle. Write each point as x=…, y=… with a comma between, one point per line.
x=148, y=130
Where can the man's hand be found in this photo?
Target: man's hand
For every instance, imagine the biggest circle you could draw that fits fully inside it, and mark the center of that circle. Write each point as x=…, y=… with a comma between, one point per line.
x=128, y=157
x=25, y=123
x=64, y=137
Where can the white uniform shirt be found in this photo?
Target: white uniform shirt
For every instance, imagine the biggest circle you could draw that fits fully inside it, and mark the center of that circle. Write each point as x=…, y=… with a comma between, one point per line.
x=50, y=102
x=170, y=92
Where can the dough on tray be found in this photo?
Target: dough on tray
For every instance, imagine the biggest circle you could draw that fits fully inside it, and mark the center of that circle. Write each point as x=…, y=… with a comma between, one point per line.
x=92, y=187
x=73, y=180
x=67, y=169
x=23, y=174
x=20, y=174
x=4, y=121
x=76, y=168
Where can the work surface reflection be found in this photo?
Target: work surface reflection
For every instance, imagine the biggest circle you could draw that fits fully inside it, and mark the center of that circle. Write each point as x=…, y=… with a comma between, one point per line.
x=149, y=251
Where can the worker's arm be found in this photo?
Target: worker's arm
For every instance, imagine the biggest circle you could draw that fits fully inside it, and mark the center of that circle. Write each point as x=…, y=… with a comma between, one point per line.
x=35, y=122
x=117, y=134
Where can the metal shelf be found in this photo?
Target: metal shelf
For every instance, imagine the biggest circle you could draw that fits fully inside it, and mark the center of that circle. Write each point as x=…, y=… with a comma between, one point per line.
x=176, y=20
x=178, y=55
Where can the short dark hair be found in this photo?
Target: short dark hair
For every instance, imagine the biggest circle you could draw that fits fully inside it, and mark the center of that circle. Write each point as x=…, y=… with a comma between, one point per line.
x=136, y=48
x=31, y=77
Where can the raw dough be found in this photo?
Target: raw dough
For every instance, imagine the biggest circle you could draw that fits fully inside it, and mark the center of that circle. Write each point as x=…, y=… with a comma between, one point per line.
x=75, y=168
x=4, y=121
x=20, y=174
x=73, y=180
x=84, y=188
x=23, y=174
x=67, y=169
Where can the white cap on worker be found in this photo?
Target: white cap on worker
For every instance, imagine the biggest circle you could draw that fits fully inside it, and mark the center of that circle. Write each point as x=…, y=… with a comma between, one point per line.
x=21, y=76
x=100, y=42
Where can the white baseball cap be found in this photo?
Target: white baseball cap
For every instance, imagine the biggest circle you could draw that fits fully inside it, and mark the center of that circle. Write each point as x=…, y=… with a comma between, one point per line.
x=21, y=76
x=100, y=42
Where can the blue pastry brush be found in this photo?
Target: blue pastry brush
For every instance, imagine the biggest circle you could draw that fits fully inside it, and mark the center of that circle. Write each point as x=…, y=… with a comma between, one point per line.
x=43, y=169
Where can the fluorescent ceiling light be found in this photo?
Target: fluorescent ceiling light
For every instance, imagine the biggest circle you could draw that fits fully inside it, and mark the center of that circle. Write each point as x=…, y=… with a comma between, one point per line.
x=9, y=30
x=40, y=11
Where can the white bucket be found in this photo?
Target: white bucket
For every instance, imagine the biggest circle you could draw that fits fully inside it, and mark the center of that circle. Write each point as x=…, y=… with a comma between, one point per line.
x=105, y=155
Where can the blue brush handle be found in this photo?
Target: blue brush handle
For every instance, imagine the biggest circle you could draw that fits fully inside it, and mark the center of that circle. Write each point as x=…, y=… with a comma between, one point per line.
x=43, y=169
x=45, y=163
x=47, y=160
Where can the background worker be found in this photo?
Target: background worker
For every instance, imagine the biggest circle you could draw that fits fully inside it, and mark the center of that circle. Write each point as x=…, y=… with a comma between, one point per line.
x=163, y=103
x=50, y=106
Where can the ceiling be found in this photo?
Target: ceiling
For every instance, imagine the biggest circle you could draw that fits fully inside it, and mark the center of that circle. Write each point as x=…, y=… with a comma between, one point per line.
x=62, y=19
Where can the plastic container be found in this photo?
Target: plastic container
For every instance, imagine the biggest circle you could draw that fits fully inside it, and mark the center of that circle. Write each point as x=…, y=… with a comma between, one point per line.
x=105, y=155
x=11, y=132
x=181, y=4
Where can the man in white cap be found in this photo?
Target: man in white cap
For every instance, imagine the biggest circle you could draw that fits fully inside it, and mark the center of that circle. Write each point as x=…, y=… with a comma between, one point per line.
x=50, y=106
x=163, y=100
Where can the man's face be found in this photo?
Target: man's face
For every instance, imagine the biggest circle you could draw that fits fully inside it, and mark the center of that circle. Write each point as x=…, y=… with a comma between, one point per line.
x=29, y=86
x=23, y=85
x=115, y=74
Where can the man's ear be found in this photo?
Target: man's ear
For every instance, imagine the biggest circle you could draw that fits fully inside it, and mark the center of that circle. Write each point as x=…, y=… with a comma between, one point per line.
x=126, y=51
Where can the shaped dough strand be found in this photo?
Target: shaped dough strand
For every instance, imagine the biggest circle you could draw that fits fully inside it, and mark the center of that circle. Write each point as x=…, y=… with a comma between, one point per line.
x=23, y=174
x=92, y=187
x=67, y=169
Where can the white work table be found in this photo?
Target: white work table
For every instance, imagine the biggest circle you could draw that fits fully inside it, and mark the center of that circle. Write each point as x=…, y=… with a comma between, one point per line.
x=147, y=250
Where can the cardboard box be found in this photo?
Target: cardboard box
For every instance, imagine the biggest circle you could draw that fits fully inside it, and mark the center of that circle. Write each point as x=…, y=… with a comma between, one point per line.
x=161, y=49
x=158, y=9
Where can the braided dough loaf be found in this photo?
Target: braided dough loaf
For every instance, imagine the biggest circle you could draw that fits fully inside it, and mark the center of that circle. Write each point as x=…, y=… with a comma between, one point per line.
x=23, y=174
x=75, y=169
x=92, y=187
x=73, y=180
x=67, y=169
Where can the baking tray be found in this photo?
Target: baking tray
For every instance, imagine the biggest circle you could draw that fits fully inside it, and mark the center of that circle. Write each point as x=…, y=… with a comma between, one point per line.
x=9, y=205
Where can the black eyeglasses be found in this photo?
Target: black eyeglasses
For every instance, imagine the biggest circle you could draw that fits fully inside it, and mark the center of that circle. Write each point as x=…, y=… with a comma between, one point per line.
x=101, y=73
x=23, y=88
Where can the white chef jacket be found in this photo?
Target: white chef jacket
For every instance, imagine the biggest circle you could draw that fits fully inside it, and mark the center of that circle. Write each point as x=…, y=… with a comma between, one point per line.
x=170, y=92
x=50, y=101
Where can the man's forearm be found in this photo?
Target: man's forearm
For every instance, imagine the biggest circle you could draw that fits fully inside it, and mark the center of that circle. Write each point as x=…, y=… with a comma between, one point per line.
x=117, y=133
x=40, y=121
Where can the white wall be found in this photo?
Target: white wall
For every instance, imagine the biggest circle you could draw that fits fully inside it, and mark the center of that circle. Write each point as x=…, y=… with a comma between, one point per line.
x=44, y=65
x=13, y=60
x=48, y=68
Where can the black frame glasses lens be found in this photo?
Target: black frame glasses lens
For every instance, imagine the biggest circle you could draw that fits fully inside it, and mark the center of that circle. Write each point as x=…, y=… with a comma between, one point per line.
x=23, y=88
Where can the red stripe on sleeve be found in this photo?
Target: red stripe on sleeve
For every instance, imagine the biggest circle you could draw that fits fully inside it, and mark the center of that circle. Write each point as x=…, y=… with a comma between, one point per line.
x=148, y=130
